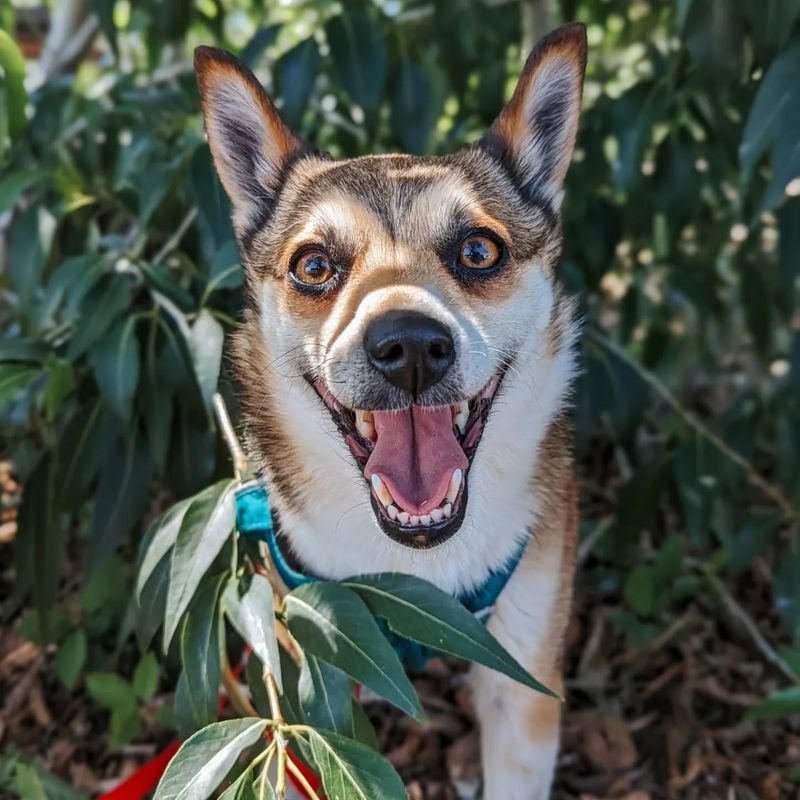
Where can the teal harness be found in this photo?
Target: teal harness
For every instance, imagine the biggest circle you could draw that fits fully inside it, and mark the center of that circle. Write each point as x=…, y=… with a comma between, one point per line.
x=254, y=521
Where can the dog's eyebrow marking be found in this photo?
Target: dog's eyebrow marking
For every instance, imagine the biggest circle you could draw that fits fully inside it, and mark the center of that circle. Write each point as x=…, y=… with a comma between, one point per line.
x=436, y=206
x=341, y=213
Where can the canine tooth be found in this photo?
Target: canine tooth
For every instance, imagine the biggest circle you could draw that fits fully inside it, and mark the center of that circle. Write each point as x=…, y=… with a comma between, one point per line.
x=460, y=415
x=403, y=517
x=414, y=520
x=425, y=519
x=391, y=511
x=384, y=495
x=455, y=485
x=447, y=508
x=437, y=514
x=365, y=424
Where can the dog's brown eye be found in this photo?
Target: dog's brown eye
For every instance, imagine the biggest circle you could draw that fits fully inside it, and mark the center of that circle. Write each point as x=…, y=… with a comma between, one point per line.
x=313, y=268
x=479, y=252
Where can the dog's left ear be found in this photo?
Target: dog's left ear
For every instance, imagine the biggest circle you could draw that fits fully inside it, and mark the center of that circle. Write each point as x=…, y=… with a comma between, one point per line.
x=535, y=132
x=249, y=141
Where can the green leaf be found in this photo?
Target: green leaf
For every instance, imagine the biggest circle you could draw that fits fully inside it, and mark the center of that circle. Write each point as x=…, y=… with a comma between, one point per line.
x=80, y=450
x=40, y=542
x=163, y=533
x=359, y=57
x=151, y=603
x=205, y=346
x=29, y=785
x=781, y=704
x=110, y=690
x=14, y=184
x=12, y=68
x=418, y=610
x=785, y=156
x=200, y=651
x=205, y=527
x=263, y=38
x=324, y=693
x=31, y=236
x=15, y=379
x=253, y=616
x=639, y=590
x=27, y=350
x=295, y=73
x=115, y=360
x=71, y=657
x=207, y=757
x=413, y=113
x=333, y=623
x=121, y=497
x=125, y=724
x=778, y=92
x=350, y=770
x=101, y=305
x=363, y=730
x=242, y=788
x=145, y=677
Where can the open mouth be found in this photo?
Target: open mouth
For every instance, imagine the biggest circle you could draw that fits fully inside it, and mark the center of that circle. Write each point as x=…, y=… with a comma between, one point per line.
x=416, y=461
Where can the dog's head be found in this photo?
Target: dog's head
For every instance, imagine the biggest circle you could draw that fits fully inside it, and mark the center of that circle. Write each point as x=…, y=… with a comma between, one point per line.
x=392, y=301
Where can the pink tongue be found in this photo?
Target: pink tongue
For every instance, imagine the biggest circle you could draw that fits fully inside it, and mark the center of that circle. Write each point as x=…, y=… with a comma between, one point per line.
x=415, y=456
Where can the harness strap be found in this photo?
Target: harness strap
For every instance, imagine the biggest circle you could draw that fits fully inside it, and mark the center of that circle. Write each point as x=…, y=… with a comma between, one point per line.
x=254, y=521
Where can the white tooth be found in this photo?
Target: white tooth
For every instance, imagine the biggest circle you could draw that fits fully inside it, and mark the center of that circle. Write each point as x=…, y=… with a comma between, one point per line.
x=447, y=509
x=403, y=517
x=392, y=512
x=437, y=514
x=381, y=491
x=460, y=415
x=455, y=485
x=425, y=519
x=365, y=424
x=414, y=520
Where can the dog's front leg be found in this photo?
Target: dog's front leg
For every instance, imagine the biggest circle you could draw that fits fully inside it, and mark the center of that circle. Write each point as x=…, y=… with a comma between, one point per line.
x=520, y=727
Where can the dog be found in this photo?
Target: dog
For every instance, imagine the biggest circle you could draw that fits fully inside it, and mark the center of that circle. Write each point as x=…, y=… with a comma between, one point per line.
x=405, y=362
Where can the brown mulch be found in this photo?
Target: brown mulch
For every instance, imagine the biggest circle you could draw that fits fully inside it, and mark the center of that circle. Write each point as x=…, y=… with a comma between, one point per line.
x=664, y=721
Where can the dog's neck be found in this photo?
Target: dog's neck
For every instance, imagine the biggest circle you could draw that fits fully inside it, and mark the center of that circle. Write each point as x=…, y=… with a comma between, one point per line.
x=333, y=532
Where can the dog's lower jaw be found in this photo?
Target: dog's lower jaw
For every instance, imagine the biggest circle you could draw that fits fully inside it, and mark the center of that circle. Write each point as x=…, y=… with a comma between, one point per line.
x=520, y=727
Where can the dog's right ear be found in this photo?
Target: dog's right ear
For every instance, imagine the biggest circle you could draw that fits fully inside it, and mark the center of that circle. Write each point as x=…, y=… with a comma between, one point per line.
x=250, y=143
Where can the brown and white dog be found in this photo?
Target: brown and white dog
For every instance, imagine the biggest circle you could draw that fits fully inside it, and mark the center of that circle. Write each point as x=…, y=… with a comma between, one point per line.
x=405, y=360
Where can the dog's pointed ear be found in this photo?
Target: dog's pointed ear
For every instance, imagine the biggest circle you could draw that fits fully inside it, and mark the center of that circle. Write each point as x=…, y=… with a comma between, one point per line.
x=535, y=133
x=250, y=143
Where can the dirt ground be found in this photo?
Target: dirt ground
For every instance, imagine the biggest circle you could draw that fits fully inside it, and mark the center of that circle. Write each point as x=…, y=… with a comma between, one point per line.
x=665, y=721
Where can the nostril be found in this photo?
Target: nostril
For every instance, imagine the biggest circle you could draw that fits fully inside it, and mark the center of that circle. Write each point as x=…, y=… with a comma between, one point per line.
x=439, y=350
x=393, y=353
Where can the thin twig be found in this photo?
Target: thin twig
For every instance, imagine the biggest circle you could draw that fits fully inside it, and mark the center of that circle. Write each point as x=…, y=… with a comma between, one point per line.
x=176, y=237
x=237, y=454
x=301, y=779
x=755, y=478
x=272, y=693
x=746, y=621
x=241, y=704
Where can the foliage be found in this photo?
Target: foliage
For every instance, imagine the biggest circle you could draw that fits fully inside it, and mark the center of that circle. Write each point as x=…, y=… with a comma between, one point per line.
x=334, y=637
x=120, y=277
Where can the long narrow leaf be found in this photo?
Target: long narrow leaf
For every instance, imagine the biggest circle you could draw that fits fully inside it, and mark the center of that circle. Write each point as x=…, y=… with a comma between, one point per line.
x=207, y=757
x=332, y=623
x=418, y=610
x=205, y=527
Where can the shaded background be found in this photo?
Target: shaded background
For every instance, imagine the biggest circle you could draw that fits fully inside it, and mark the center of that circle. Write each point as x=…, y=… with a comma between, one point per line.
x=119, y=277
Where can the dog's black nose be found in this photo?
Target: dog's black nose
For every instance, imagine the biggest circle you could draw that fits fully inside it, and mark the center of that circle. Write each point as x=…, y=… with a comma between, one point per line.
x=410, y=350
